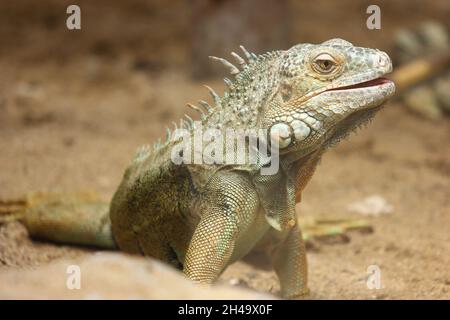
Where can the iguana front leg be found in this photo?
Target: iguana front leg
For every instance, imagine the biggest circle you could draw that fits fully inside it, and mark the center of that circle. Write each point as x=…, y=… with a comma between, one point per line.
x=289, y=261
x=228, y=209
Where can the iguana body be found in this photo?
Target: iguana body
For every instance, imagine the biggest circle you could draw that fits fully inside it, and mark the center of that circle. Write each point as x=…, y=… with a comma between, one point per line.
x=202, y=217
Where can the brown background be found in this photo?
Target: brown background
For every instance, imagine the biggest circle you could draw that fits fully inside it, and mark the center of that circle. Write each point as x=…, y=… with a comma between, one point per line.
x=74, y=106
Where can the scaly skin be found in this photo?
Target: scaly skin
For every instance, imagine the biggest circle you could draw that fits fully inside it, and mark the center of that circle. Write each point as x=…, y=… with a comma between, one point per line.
x=201, y=218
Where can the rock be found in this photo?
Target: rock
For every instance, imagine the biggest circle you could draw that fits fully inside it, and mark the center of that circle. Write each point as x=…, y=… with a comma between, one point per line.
x=434, y=35
x=106, y=275
x=371, y=206
x=429, y=40
x=442, y=88
x=234, y=281
x=422, y=100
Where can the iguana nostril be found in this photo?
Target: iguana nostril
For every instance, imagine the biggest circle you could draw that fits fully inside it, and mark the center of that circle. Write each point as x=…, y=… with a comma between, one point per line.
x=387, y=61
x=281, y=132
x=382, y=60
x=379, y=60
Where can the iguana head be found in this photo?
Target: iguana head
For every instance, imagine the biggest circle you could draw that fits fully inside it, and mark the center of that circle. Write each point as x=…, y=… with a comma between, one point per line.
x=323, y=92
x=308, y=96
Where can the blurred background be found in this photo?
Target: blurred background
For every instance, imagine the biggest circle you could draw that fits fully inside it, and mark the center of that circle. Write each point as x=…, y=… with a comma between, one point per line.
x=75, y=105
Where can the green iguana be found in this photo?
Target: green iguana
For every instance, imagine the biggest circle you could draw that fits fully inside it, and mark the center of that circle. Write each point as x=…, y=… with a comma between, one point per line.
x=201, y=217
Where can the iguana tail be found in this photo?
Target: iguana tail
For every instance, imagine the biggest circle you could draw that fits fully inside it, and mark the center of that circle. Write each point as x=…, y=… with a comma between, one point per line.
x=79, y=218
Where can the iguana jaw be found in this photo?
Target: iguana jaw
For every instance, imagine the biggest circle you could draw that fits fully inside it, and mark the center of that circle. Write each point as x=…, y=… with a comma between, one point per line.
x=368, y=98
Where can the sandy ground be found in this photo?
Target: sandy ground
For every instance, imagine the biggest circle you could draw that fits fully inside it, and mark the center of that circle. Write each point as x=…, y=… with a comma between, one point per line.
x=75, y=126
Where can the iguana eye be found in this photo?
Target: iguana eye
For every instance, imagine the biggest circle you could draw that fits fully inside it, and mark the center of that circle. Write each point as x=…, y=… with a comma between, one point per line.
x=324, y=63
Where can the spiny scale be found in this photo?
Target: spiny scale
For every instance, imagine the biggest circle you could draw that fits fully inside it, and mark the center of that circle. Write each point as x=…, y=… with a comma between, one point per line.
x=246, y=53
x=193, y=107
x=238, y=58
x=215, y=96
x=141, y=152
x=226, y=63
x=233, y=69
x=188, y=122
x=206, y=106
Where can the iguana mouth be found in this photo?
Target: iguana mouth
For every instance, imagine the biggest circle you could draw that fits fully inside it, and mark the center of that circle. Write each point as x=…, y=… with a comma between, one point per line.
x=371, y=83
x=380, y=82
